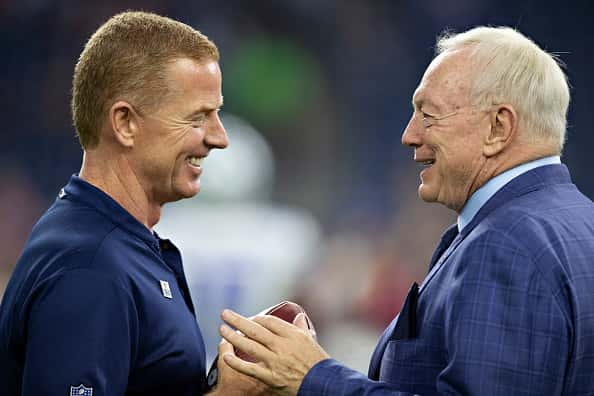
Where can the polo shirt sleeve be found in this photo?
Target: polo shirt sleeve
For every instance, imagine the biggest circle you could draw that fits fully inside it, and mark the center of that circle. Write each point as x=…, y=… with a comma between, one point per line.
x=81, y=330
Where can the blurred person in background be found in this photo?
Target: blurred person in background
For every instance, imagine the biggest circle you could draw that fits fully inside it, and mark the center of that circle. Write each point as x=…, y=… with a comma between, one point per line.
x=22, y=207
x=98, y=304
x=507, y=304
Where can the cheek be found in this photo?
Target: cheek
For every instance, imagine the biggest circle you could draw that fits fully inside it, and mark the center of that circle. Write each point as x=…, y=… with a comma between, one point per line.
x=192, y=138
x=184, y=144
x=459, y=148
x=187, y=145
x=459, y=169
x=177, y=136
x=451, y=167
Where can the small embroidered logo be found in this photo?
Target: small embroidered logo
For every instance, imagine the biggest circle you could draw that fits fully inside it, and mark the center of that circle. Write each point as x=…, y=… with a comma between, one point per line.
x=81, y=390
x=166, y=289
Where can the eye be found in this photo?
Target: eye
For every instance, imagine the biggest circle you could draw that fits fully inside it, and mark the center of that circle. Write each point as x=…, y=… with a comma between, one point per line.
x=427, y=119
x=426, y=115
x=198, y=120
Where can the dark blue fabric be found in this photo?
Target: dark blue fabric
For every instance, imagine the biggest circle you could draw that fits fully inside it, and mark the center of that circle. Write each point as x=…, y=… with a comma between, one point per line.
x=508, y=308
x=444, y=243
x=85, y=306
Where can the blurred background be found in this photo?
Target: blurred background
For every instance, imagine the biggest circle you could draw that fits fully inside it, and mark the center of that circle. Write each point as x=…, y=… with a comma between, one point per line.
x=315, y=200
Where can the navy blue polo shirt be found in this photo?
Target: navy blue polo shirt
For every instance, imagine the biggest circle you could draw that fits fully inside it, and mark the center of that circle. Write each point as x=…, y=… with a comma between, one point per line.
x=98, y=302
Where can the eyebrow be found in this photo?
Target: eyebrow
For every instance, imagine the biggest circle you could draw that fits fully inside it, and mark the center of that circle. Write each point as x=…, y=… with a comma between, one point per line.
x=416, y=101
x=425, y=102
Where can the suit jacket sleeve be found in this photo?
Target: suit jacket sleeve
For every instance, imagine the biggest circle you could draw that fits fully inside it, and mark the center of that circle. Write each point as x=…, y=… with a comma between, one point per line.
x=506, y=331
x=329, y=377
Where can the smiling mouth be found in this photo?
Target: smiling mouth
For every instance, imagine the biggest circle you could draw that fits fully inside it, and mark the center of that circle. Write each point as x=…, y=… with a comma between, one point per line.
x=426, y=163
x=195, y=161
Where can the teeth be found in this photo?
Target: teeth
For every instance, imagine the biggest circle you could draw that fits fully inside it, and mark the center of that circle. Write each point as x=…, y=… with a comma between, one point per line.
x=195, y=161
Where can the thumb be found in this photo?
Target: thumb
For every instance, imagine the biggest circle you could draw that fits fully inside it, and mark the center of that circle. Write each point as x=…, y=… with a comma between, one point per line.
x=225, y=347
x=301, y=321
x=304, y=323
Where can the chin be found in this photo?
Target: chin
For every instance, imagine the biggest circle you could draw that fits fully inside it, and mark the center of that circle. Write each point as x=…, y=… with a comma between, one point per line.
x=190, y=193
x=178, y=195
x=186, y=189
x=426, y=194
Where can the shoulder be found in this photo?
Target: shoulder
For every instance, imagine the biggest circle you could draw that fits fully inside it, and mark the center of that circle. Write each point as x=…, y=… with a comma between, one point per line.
x=67, y=238
x=543, y=237
x=539, y=218
x=69, y=226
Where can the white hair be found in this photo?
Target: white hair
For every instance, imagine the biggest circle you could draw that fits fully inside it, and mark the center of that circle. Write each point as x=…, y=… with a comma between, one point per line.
x=511, y=68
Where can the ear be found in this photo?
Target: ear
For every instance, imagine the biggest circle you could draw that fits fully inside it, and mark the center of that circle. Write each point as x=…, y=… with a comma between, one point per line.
x=124, y=121
x=504, y=126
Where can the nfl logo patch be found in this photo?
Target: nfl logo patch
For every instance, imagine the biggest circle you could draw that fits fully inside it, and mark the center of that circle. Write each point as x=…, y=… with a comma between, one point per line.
x=81, y=390
x=166, y=289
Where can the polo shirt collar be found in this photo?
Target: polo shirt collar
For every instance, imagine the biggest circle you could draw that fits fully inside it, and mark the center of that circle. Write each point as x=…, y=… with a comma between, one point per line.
x=83, y=192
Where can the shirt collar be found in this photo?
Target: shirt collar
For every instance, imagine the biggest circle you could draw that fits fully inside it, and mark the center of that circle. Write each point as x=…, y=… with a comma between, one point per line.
x=483, y=194
x=81, y=191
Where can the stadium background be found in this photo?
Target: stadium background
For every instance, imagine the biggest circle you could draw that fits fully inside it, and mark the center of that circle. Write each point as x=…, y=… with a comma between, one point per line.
x=326, y=88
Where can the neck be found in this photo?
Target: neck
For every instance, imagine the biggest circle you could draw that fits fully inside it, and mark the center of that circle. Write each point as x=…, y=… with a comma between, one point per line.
x=496, y=165
x=116, y=177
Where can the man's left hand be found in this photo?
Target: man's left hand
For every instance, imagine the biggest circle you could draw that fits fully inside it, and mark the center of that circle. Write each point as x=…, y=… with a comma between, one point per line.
x=284, y=352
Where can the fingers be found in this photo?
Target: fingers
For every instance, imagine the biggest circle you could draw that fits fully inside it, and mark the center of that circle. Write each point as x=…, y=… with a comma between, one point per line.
x=286, y=329
x=251, y=329
x=274, y=324
x=251, y=347
x=252, y=369
x=284, y=352
x=225, y=347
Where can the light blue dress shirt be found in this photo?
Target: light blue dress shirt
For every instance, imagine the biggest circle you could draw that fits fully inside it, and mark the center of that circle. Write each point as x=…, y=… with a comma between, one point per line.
x=483, y=194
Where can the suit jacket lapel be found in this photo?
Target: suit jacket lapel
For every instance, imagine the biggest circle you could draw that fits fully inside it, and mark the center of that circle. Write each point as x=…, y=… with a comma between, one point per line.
x=446, y=240
x=442, y=258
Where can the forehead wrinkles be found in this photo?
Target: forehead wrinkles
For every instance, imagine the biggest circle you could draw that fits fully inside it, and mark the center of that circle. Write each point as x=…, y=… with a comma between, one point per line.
x=446, y=81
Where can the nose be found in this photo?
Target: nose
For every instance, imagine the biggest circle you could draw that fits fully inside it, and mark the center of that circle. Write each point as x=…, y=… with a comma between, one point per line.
x=413, y=133
x=216, y=136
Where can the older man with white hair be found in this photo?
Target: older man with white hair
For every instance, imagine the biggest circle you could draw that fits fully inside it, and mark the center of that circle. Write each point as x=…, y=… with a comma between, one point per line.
x=507, y=306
